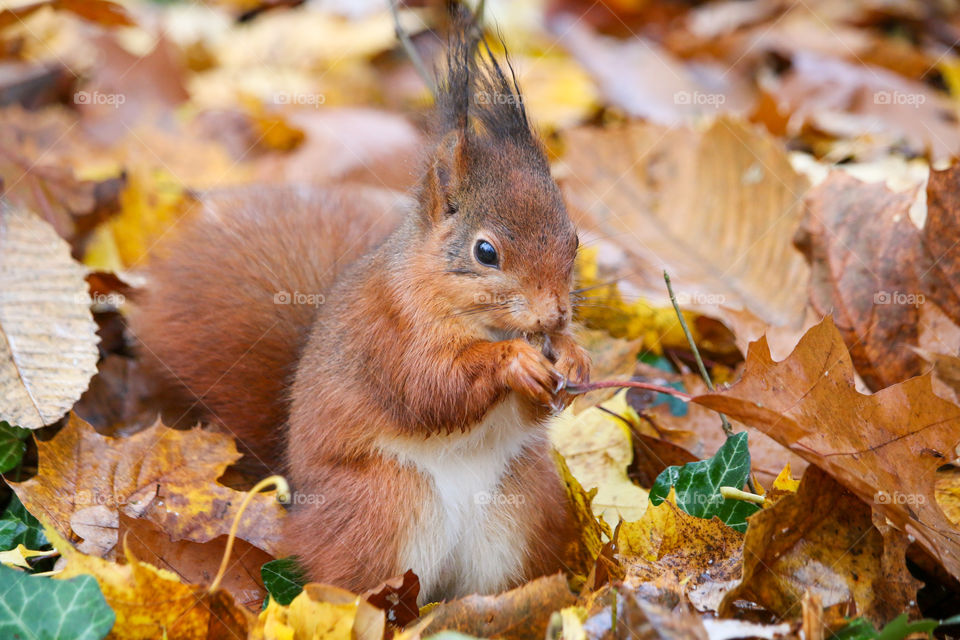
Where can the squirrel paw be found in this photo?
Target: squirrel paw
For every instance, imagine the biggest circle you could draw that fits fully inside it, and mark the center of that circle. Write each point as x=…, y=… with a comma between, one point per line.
x=529, y=372
x=572, y=360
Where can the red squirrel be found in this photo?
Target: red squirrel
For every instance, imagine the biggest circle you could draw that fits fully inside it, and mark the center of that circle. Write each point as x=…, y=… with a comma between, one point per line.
x=408, y=397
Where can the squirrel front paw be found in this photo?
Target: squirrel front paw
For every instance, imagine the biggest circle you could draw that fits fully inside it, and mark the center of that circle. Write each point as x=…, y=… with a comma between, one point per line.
x=570, y=359
x=530, y=373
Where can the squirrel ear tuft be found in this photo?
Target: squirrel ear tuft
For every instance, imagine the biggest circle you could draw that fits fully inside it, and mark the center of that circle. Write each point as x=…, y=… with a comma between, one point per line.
x=448, y=168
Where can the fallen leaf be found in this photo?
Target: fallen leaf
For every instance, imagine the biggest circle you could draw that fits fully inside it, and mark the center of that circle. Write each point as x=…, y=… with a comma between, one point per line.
x=41, y=163
x=398, y=598
x=49, y=349
x=517, y=614
x=163, y=475
x=717, y=210
x=196, y=562
x=322, y=612
x=596, y=447
x=150, y=602
x=646, y=81
x=41, y=607
x=670, y=555
x=822, y=540
x=874, y=269
x=150, y=205
x=593, y=531
x=884, y=447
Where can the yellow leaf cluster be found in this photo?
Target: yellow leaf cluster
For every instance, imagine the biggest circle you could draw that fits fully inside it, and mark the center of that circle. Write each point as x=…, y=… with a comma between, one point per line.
x=321, y=612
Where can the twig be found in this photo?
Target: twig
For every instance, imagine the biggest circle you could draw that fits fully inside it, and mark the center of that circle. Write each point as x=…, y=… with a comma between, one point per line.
x=727, y=429
x=724, y=423
x=411, y=51
x=575, y=389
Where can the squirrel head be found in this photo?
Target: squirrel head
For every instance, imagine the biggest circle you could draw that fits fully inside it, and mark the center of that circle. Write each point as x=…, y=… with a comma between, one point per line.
x=493, y=219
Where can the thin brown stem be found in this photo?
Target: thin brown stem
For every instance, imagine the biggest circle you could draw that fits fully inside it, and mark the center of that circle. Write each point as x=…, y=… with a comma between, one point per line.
x=587, y=387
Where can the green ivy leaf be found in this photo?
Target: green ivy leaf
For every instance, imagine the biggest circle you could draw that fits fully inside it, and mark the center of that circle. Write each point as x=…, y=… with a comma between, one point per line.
x=698, y=484
x=18, y=526
x=42, y=608
x=12, y=445
x=897, y=629
x=283, y=579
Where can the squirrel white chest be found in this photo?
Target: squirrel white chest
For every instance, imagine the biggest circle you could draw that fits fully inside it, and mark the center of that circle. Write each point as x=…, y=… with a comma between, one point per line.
x=469, y=537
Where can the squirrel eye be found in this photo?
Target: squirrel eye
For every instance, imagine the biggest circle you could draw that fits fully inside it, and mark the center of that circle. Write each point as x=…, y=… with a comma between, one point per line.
x=485, y=253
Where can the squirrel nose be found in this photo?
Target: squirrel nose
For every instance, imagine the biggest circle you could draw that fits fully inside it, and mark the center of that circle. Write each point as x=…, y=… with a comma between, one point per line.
x=555, y=320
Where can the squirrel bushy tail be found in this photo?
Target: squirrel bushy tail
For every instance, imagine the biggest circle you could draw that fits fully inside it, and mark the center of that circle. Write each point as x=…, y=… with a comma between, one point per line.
x=231, y=297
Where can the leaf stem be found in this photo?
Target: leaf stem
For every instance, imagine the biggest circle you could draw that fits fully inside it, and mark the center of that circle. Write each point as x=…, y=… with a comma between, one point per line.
x=736, y=494
x=283, y=495
x=576, y=389
x=724, y=423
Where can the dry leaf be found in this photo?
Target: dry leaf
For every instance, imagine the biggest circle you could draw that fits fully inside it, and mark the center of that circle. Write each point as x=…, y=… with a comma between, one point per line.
x=874, y=269
x=42, y=162
x=515, y=615
x=321, y=612
x=197, y=563
x=717, y=210
x=597, y=448
x=821, y=540
x=166, y=476
x=885, y=447
x=670, y=555
x=152, y=603
x=49, y=349
x=581, y=556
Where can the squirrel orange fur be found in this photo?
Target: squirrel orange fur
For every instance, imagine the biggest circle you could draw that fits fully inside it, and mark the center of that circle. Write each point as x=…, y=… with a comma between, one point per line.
x=408, y=403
